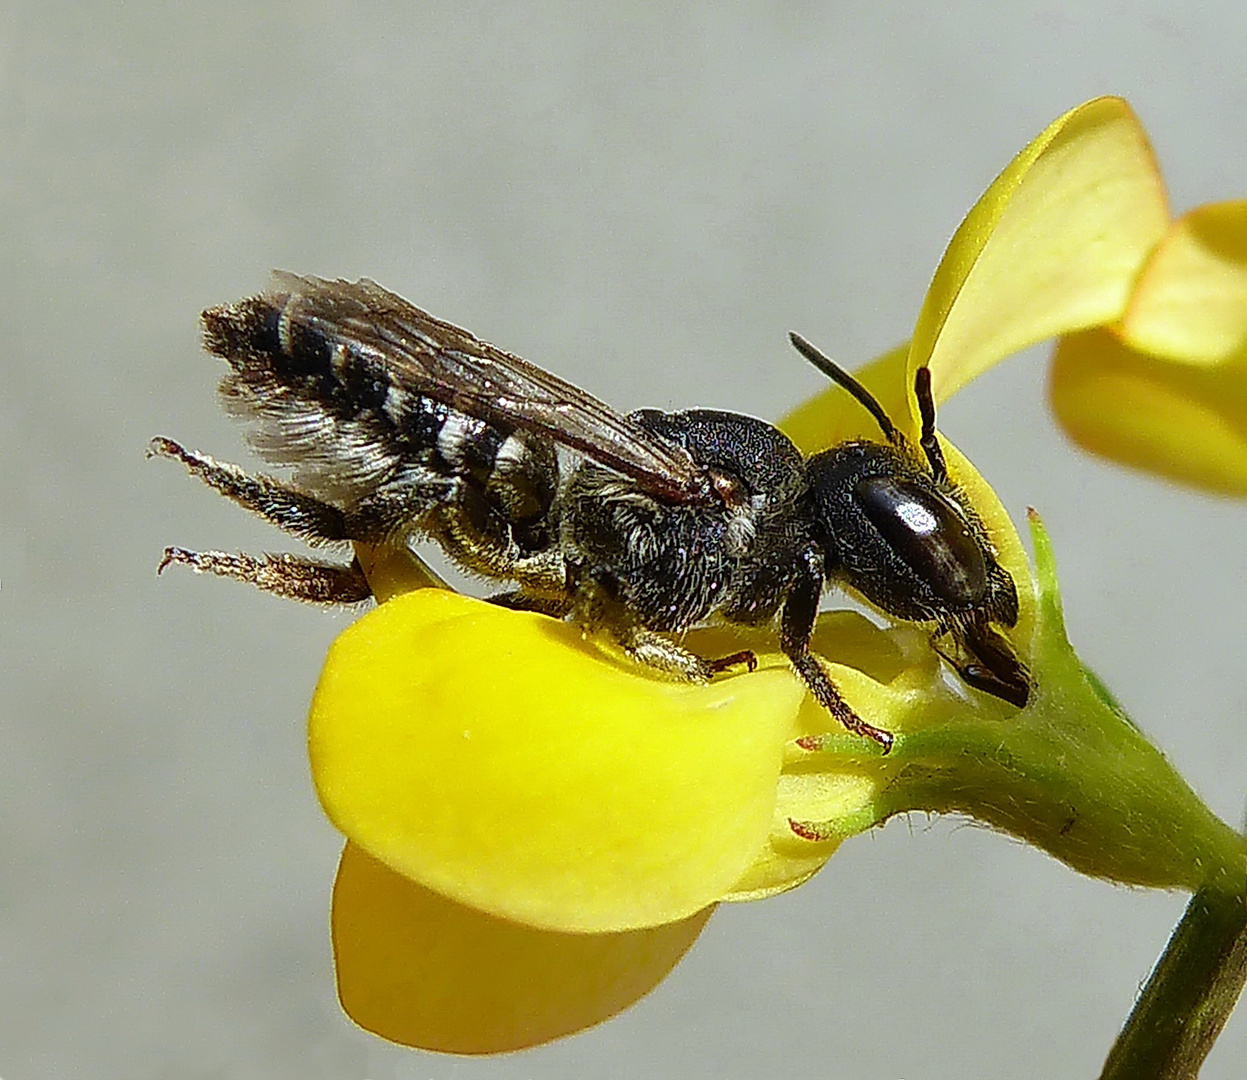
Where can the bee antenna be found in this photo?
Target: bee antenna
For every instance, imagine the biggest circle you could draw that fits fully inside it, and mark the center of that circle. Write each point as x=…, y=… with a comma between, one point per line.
x=838, y=375
x=926, y=409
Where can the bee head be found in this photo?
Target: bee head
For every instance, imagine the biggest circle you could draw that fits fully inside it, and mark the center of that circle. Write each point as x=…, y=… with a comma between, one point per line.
x=895, y=528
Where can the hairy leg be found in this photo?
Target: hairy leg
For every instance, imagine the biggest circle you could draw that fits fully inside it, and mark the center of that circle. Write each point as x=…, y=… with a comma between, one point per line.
x=288, y=576
x=302, y=515
x=597, y=610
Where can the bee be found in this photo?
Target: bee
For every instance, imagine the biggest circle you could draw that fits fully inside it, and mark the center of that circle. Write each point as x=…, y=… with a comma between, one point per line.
x=398, y=426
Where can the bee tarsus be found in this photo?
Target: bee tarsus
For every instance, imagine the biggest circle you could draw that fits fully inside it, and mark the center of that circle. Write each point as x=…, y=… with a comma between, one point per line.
x=747, y=657
x=288, y=576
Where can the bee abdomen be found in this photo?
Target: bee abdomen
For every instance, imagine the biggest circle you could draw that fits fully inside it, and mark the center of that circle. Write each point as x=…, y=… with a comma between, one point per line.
x=271, y=336
x=324, y=401
x=281, y=359
x=243, y=331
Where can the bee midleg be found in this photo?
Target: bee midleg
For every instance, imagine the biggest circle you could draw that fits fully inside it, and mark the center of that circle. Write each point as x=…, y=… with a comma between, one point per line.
x=288, y=576
x=598, y=610
x=518, y=600
x=651, y=648
x=302, y=515
x=796, y=627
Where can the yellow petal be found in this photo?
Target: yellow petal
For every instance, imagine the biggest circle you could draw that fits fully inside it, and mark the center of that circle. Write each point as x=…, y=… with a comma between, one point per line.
x=499, y=759
x=1190, y=304
x=425, y=971
x=1185, y=422
x=1053, y=245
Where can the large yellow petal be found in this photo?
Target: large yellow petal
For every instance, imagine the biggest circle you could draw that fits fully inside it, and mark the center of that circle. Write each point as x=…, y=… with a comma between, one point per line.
x=1190, y=304
x=1182, y=421
x=1053, y=245
x=499, y=759
x=422, y=970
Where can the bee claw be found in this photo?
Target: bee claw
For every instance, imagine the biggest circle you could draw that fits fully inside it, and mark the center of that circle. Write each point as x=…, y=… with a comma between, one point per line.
x=726, y=663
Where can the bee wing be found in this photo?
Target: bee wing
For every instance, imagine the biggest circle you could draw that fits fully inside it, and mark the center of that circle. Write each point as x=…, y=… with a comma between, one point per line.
x=422, y=354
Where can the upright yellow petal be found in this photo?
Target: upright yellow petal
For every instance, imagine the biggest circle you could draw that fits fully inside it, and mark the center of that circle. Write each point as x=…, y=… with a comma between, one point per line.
x=1190, y=304
x=1053, y=245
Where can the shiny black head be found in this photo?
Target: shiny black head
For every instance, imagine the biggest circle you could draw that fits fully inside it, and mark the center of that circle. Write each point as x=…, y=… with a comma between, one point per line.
x=894, y=528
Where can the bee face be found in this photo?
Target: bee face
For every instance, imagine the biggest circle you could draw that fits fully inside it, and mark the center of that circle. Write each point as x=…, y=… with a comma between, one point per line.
x=891, y=533
x=894, y=528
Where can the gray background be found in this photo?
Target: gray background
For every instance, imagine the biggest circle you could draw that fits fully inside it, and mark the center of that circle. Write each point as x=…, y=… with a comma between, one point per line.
x=644, y=200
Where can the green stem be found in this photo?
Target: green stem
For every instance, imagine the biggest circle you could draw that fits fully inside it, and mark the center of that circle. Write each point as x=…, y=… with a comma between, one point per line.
x=1190, y=993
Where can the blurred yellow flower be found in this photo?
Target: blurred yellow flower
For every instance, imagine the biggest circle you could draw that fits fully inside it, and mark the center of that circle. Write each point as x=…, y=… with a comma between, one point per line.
x=1164, y=387
x=537, y=831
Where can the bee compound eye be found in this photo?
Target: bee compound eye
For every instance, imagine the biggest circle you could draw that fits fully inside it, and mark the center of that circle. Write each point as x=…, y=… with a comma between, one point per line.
x=929, y=535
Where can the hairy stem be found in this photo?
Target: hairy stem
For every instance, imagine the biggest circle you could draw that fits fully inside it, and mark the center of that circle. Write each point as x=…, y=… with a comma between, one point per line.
x=1191, y=991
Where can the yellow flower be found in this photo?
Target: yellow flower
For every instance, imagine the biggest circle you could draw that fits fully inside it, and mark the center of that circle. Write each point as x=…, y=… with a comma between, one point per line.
x=537, y=831
x=1165, y=387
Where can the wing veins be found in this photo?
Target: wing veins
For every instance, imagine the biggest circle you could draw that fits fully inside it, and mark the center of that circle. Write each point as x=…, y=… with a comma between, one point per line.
x=422, y=354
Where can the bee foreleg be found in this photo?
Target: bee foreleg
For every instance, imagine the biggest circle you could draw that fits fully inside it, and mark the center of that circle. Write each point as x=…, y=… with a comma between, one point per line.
x=797, y=624
x=288, y=509
x=287, y=576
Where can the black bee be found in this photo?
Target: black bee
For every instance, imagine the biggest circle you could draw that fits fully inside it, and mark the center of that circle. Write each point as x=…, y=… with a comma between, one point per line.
x=398, y=426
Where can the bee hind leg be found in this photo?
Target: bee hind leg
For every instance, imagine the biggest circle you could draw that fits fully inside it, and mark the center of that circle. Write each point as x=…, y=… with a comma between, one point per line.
x=298, y=514
x=287, y=576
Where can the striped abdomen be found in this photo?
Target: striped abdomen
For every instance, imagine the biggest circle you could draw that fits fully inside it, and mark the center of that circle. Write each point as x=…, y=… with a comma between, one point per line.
x=324, y=398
